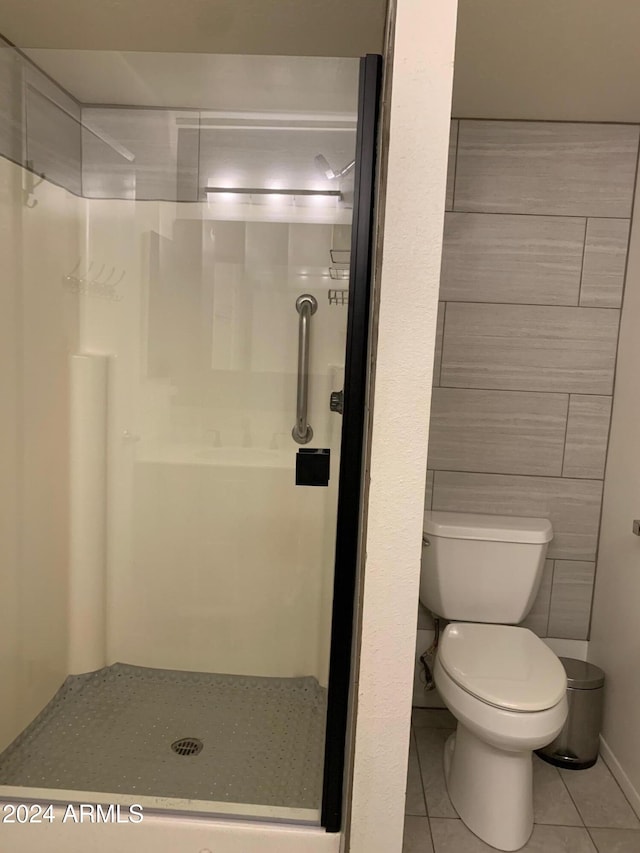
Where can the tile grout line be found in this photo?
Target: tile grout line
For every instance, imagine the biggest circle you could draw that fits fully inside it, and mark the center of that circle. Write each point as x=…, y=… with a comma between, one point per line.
x=584, y=252
x=534, y=476
x=532, y=304
x=566, y=435
x=592, y=839
x=621, y=791
x=546, y=121
x=479, y=212
x=537, y=215
x=525, y=391
x=444, y=326
x=455, y=166
x=424, y=796
x=554, y=825
x=587, y=827
x=575, y=804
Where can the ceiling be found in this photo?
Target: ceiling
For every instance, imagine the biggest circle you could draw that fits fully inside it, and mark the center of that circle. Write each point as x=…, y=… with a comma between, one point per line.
x=523, y=59
x=276, y=27
x=569, y=60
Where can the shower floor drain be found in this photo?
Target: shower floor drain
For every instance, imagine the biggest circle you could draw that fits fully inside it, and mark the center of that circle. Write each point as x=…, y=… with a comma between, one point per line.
x=187, y=746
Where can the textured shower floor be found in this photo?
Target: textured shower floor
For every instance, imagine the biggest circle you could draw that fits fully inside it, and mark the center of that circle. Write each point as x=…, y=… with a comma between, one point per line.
x=112, y=730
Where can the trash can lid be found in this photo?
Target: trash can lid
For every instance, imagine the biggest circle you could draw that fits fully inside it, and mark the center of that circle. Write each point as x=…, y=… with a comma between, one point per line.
x=582, y=675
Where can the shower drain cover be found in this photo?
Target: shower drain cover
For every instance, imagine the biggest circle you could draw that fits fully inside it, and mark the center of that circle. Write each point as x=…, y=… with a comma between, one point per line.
x=187, y=746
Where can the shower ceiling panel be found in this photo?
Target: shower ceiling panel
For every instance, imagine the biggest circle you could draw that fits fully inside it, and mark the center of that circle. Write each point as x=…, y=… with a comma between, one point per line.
x=202, y=81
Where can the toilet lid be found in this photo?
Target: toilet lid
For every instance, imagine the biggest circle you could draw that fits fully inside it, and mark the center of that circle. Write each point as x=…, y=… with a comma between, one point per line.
x=505, y=666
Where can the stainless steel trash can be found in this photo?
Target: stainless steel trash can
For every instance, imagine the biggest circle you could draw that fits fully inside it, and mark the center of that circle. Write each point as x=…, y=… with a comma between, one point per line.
x=576, y=747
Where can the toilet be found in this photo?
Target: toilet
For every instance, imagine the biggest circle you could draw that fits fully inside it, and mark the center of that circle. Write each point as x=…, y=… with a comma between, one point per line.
x=505, y=687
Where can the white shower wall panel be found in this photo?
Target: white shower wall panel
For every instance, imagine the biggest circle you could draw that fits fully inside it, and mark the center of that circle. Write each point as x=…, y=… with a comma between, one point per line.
x=216, y=561
x=39, y=245
x=226, y=571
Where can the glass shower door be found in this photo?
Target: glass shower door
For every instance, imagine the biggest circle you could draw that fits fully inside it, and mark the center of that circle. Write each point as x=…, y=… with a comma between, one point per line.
x=181, y=595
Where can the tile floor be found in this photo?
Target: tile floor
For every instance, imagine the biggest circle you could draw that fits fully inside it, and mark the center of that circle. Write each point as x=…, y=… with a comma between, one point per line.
x=575, y=811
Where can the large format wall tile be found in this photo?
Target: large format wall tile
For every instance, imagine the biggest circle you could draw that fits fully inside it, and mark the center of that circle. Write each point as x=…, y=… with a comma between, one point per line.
x=428, y=495
x=519, y=259
x=451, y=167
x=530, y=348
x=573, y=506
x=507, y=432
x=54, y=143
x=532, y=279
x=538, y=618
x=546, y=167
x=587, y=436
x=571, y=595
x=605, y=258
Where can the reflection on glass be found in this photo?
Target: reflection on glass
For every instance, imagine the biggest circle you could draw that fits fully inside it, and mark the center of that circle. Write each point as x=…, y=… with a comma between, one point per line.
x=168, y=587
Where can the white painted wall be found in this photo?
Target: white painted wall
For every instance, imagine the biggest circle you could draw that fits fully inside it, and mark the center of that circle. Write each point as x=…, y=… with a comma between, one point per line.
x=409, y=281
x=615, y=628
x=38, y=331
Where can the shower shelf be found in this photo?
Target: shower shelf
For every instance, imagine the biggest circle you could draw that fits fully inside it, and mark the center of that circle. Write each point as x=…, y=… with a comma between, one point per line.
x=338, y=297
x=339, y=274
x=340, y=256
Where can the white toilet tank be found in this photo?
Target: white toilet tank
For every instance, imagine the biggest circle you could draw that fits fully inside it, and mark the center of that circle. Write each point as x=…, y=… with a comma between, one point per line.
x=482, y=568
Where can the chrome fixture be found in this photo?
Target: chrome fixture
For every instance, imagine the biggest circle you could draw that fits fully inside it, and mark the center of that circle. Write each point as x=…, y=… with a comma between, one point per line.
x=306, y=306
x=323, y=165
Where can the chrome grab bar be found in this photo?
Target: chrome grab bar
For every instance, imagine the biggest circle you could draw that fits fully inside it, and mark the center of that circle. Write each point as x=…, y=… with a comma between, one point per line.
x=306, y=305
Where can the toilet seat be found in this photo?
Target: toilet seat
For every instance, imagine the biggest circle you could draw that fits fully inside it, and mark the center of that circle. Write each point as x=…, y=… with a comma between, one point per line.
x=502, y=665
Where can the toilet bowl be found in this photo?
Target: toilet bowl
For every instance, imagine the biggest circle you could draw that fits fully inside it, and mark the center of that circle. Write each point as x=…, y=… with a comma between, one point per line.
x=507, y=690
x=505, y=687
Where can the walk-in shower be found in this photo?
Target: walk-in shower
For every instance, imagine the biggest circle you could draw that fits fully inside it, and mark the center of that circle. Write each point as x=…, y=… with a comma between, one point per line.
x=179, y=566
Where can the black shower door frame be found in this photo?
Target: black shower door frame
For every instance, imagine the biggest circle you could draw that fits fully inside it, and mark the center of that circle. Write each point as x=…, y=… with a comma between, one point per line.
x=352, y=447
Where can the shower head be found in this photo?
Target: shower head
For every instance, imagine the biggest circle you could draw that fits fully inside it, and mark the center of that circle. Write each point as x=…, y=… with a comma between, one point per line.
x=323, y=165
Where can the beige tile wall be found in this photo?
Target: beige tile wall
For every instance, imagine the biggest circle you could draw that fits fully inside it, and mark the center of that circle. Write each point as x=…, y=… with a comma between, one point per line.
x=535, y=248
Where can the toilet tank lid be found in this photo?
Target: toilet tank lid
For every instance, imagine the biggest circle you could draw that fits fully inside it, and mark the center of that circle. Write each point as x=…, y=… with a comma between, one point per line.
x=492, y=528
